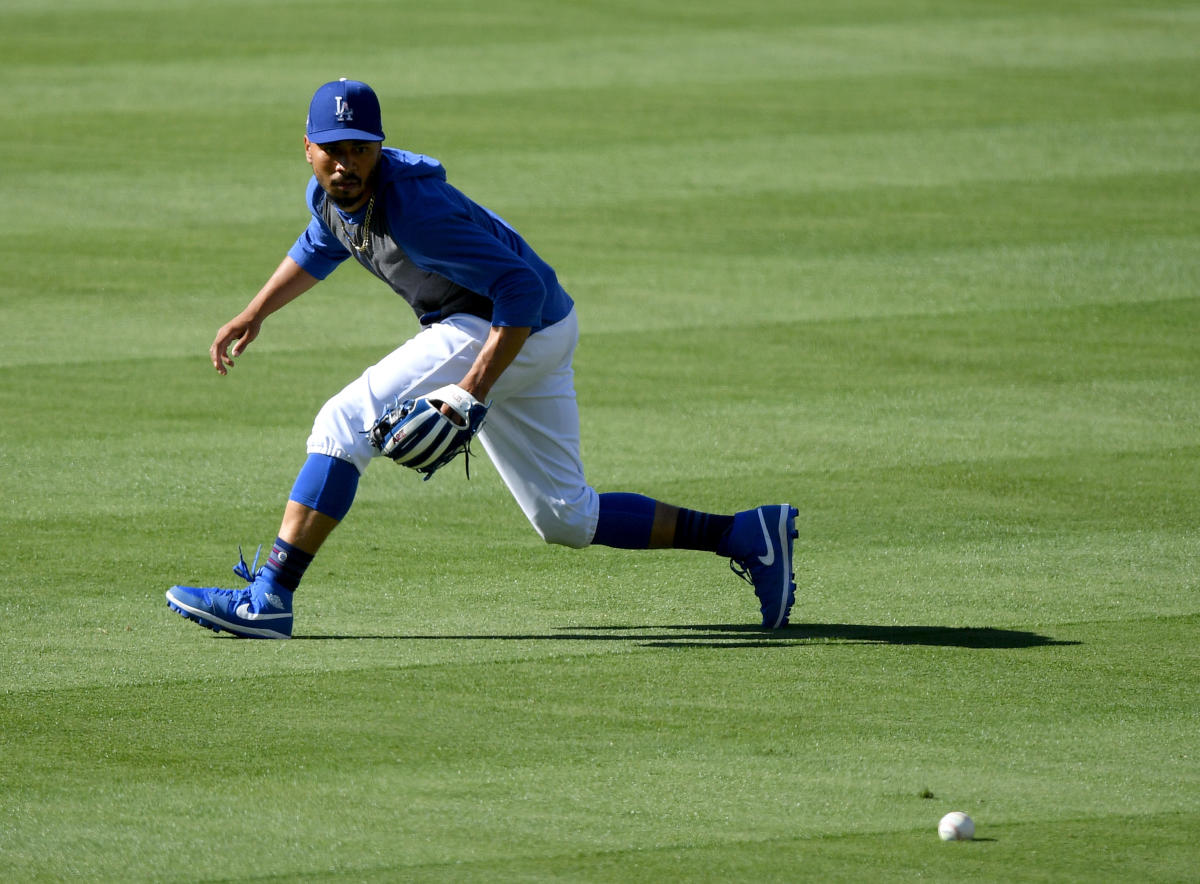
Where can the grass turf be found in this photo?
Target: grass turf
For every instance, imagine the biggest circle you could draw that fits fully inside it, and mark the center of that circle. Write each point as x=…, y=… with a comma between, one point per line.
x=927, y=270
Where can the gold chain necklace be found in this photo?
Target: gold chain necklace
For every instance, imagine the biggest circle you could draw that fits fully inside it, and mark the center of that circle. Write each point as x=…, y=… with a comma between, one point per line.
x=364, y=229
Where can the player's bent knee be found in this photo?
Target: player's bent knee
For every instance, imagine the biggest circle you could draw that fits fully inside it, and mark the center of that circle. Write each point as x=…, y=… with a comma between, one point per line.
x=566, y=519
x=560, y=532
x=338, y=432
x=573, y=539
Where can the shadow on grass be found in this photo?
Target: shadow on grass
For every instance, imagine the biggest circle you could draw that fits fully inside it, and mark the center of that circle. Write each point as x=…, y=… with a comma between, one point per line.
x=745, y=636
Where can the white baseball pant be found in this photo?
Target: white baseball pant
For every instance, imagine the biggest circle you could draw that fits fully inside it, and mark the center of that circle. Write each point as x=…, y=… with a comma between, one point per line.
x=531, y=433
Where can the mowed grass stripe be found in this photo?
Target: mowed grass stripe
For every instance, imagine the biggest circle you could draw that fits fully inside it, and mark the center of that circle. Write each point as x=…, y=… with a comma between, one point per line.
x=647, y=115
x=958, y=387
x=643, y=46
x=630, y=295
x=894, y=220
x=1049, y=850
x=1107, y=689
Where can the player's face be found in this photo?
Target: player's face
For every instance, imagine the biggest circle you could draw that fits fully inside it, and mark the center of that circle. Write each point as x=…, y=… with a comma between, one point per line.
x=343, y=169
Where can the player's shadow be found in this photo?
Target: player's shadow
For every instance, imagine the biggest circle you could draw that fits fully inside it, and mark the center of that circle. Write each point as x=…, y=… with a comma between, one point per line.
x=747, y=636
x=742, y=635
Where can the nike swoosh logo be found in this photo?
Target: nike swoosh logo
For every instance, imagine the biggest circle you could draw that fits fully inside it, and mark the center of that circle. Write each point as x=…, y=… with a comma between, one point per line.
x=769, y=559
x=243, y=612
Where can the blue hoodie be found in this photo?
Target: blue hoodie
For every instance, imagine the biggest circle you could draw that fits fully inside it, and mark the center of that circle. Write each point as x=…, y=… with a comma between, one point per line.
x=438, y=249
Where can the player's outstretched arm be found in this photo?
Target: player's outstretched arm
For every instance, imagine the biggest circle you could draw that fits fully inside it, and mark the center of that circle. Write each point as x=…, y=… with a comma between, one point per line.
x=288, y=282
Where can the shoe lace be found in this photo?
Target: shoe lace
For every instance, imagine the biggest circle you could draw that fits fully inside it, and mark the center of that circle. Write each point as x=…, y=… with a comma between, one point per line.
x=467, y=457
x=741, y=571
x=248, y=572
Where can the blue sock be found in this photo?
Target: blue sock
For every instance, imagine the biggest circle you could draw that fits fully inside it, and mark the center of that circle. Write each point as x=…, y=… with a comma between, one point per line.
x=704, y=531
x=327, y=485
x=286, y=565
x=625, y=521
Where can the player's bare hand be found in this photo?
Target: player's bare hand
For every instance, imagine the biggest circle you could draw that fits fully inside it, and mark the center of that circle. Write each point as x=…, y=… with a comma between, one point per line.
x=238, y=332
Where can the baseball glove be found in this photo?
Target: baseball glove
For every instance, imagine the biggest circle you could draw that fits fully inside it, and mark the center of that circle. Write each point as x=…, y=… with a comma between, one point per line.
x=415, y=433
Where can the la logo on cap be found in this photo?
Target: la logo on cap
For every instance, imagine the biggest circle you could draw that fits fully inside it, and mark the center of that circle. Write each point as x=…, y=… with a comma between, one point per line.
x=344, y=110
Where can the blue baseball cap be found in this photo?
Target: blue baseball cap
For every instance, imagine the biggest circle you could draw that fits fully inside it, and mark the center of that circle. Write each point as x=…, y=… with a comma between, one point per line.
x=344, y=110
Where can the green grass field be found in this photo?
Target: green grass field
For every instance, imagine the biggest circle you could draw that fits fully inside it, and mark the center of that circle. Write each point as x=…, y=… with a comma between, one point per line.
x=929, y=270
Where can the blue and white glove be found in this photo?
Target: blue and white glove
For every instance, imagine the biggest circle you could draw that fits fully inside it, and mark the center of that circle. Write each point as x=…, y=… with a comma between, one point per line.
x=415, y=433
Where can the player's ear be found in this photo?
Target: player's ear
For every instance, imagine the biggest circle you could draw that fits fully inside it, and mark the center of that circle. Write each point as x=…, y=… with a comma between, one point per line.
x=308, y=150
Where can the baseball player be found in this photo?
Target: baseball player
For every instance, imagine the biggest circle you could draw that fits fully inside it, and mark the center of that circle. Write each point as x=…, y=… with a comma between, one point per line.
x=493, y=361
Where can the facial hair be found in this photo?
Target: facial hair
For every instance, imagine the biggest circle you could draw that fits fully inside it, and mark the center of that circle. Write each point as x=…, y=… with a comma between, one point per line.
x=349, y=202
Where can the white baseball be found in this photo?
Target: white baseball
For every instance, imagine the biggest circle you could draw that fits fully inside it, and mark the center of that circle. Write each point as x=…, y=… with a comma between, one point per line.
x=956, y=826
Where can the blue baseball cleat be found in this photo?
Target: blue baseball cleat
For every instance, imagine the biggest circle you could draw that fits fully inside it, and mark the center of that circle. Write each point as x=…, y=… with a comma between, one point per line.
x=258, y=611
x=760, y=548
x=243, y=612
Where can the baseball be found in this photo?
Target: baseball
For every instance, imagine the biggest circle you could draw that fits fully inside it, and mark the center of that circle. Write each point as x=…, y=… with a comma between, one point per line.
x=956, y=826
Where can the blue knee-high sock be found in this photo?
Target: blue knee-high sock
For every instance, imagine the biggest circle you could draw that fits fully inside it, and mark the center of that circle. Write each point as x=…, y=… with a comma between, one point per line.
x=625, y=521
x=704, y=531
x=327, y=485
